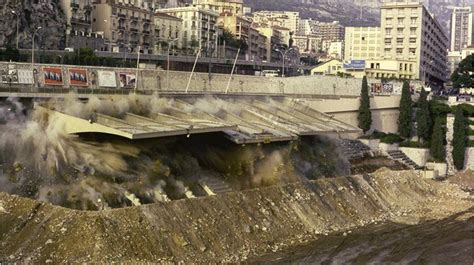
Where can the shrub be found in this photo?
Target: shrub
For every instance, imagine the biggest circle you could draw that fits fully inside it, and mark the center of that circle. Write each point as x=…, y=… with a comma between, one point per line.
x=391, y=138
x=437, y=139
x=415, y=144
x=404, y=119
x=364, y=116
x=459, y=139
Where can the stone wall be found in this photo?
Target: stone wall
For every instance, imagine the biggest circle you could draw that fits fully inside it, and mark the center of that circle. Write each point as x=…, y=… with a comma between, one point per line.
x=469, y=158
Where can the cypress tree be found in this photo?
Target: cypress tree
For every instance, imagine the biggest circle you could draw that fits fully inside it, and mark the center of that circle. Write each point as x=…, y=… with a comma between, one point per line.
x=423, y=117
x=364, y=116
x=437, y=140
x=404, y=119
x=459, y=139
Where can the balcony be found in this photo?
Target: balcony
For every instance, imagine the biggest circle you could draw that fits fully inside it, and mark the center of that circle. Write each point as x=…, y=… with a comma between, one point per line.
x=121, y=15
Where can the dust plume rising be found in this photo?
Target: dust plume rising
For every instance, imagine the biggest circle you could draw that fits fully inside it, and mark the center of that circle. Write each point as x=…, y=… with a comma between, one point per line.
x=93, y=172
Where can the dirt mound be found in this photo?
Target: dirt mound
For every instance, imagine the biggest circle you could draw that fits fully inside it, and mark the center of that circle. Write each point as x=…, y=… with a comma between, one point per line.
x=230, y=227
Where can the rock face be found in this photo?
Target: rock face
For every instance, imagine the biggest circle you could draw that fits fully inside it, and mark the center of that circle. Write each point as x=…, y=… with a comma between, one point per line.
x=231, y=227
x=32, y=14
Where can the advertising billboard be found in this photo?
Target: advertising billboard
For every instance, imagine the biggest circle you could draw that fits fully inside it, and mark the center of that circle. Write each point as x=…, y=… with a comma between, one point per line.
x=354, y=64
x=9, y=75
x=78, y=77
x=127, y=80
x=106, y=79
x=381, y=89
x=53, y=76
x=25, y=76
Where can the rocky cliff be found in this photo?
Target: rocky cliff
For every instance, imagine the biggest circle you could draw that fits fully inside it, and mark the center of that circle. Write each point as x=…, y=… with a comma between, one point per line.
x=32, y=14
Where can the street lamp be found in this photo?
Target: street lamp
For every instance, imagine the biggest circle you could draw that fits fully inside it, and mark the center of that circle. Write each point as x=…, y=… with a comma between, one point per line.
x=17, y=25
x=168, y=63
x=283, y=54
x=33, y=49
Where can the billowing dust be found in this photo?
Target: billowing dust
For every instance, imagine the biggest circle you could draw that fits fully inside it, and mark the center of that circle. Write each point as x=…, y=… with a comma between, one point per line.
x=94, y=172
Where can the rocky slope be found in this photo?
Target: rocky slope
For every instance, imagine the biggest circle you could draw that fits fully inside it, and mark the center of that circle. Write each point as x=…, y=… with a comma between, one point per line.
x=32, y=14
x=350, y=12
x=231, y=227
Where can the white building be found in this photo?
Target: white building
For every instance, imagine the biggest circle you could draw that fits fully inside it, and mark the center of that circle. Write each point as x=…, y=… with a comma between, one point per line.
x=285, y=19
x=336, y=49
x=307, y=44
x=199, y=26
x=411, y=33
x=461, y=28
x=362, y=43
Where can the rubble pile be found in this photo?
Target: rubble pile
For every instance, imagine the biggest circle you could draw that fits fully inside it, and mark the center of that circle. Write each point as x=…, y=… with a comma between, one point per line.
x=230, y=227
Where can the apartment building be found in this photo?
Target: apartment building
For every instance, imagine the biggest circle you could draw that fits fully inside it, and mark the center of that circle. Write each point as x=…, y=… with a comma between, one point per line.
x=242, y=29
x=461, y=28
x=362, y=43
x=455, y=57
x=221, y=6
x=273, y=39
x=167, y=29
x=283, y=19
x=411, y=33
x=199, y=26
x=330, y=32
x=126, y=26
x=307, y=44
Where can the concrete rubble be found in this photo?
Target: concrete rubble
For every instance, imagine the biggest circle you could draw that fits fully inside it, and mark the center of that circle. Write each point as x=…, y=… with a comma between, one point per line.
x=230, y=227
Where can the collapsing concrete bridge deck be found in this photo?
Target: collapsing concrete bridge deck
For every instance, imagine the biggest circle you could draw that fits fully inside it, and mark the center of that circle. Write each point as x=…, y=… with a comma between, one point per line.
x=241, y=120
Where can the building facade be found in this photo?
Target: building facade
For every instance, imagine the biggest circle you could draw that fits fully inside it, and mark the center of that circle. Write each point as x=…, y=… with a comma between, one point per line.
x=285, y=19
x=199, y=27
x=125, y=26
x=362, y=43
x=307, y=44
x=222, y=6
x=167, y=30
x=330, y=31
x=461, y=28
x=411, y=33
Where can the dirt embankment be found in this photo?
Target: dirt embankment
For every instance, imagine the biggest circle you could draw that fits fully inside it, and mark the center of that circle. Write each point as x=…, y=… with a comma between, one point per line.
x=230, y=227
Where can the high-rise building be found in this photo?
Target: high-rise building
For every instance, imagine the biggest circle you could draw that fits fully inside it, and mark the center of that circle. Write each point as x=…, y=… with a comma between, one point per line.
x=461, y=28
x=221, y=6
x=285, y=19
x=199, y=26
x=362, y=43
x=330, y=31
x=167, y=30
x=411, y=33
x=126, y=25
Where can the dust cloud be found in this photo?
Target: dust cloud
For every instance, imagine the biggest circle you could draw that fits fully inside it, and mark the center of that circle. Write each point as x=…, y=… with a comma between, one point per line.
x=93, y=172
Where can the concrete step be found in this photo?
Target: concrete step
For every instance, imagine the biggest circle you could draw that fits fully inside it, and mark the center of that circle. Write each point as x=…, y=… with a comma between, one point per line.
x=216, y=185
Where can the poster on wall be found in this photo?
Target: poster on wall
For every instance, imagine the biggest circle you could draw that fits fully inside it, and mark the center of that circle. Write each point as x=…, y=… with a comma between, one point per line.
x=25, y=76
x=78, y=77
x=127, y=80
x=53, y=76
x=381, y=89
x=106, y=79
x=9, y=75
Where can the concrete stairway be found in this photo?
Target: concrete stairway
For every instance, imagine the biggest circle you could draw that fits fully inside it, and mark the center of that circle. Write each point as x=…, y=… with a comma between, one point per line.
x=402, y=158
x=216, y=185
x=354, y=149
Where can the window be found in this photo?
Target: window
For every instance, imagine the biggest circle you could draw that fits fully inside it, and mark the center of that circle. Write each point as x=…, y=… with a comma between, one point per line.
x=413, y=20
x=399, y=51
x=388, y=31
x=400, y=21
x=412, y=31
x=399, y=31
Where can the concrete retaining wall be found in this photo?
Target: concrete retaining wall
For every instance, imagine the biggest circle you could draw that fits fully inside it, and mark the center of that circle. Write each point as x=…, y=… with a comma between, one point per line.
x=417, y=155
x=174, y=81
x=469, y=158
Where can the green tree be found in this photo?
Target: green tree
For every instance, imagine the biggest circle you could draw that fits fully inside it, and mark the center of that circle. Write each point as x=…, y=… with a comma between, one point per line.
x=463, y=76
x=459, y=139
x=364, y=116
x=437, y=141
x=423, y=117
x=404, y=119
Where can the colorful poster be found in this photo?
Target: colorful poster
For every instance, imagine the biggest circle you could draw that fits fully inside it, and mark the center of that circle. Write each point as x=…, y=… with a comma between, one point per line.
x=106, y=79
x=78, y=77
x=127, y=80
x=53, y=76
x=25, y=76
